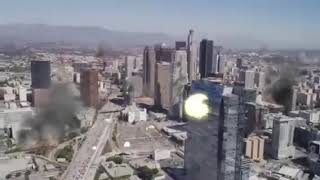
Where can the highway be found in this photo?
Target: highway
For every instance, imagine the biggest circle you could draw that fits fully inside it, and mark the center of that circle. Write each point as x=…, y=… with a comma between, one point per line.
x=85, y=161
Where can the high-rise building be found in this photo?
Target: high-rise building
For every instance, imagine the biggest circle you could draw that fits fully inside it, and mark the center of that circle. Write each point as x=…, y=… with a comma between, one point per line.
x=204, y=139
x=40, y=74
x=239, y=63
x=213, y=148
x=206, y=58
x=179, y=80
x=40, y=82
x=255, y=117
x=249, y=79
x=164, y=53
x=218, y=61
x=191, y=57
x=89, y=87
x=282, y=137
x=259, y=80
x=293, y=99
x=181, y=45
x=129, y=65
x=230, y=129
x=149, y=71
x=163, y=85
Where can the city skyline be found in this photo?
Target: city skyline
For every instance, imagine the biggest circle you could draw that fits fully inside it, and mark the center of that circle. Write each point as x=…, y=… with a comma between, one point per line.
x=285, y=24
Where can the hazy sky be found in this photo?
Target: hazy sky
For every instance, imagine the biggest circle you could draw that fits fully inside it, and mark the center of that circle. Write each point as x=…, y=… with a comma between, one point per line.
x=278, y=23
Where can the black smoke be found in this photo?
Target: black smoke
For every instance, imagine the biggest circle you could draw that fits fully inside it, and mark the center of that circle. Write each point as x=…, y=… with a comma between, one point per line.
x=282, y=89
x=52, y=122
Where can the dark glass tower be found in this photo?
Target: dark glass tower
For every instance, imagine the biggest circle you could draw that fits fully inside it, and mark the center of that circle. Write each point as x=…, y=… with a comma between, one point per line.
x=40, y=74
x=206, y=58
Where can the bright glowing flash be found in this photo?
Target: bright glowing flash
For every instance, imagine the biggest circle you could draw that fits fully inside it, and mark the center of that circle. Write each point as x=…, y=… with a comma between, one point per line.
x=195, y=107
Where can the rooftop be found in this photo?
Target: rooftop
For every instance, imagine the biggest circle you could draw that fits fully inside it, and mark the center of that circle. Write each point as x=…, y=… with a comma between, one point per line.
x=117, y=170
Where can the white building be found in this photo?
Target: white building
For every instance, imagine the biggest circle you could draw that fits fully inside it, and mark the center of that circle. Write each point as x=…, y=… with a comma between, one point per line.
x=249, y=79
x=135, y=114
x=22, y=94
x=282, y=137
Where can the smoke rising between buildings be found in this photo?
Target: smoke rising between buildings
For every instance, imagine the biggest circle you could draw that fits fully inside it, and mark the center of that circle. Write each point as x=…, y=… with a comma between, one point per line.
x=281, y=89
x=52, y=122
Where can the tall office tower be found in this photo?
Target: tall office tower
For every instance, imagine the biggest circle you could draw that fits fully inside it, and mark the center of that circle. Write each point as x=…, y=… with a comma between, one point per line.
x=239, y=63
x=181, y=45
x=255, y=117
x=89, y=87
x=40, y=74
x=230, y=128
x=163, y=85
x=179, y=80
x=203, y=142
x=79, y=66
x=259, y=80
x=206, y=59
x=282, y=137
x=220, y=64
x=191, y=57
x=293, y=99
x=218, y=61
x=40, y=82
x=149, y=71
x=129, y=65
x=164, y=53
x=249, y=79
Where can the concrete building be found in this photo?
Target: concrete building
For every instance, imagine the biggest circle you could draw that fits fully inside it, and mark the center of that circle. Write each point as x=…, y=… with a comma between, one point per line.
x=304, y=98
x=312, y=116
x=282, y=137
x=117, y=171
x=41, y=97
x=135, y=114
x=259, y=80
x=179, y=80
x=206, y=58
x=293, y=99
x=129, y=65
x=255, y=148
x=164, y=53
x=239, y=63
x=149, y=72
x=13, y=119
x=89, y=87
x=79, y=66
x=163, y=85
x=191, y=58
x=22, y=94
x=255, y=117
x=249, y=79
x=181, y=45
x=40, y=82
x=136, y=82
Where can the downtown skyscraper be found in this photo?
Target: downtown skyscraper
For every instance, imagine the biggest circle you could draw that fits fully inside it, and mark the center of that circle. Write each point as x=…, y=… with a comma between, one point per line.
x=206, y=58
x=149, y=71
x=191, y=57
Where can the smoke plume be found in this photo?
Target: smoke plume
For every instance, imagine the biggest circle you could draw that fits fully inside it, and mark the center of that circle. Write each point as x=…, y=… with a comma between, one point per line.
x=51, y=123
x=281, y=89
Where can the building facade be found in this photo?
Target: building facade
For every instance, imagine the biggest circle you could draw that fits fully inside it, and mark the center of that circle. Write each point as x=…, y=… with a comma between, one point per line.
x=89, y=87
x=206, y=58
x=149, y=71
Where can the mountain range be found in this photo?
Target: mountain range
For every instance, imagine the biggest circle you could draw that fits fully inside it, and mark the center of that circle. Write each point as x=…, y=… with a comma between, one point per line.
x=77, y=35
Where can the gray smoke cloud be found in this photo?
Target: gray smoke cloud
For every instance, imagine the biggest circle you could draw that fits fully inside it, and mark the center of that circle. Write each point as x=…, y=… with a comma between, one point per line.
x=281, y=89
x=52, y=122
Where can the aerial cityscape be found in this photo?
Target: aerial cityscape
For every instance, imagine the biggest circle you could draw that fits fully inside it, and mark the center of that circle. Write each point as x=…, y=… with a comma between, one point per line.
x=81, y=101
